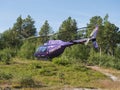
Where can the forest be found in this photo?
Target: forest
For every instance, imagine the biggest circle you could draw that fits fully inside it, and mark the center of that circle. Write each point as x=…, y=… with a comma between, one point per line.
x=16, y=42
x=20, y=68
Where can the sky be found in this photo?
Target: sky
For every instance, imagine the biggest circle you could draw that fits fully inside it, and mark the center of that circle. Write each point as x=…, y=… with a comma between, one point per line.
x=56, y=11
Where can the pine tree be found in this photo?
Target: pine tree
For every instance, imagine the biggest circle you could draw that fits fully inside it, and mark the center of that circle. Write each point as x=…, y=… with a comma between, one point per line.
x=111, y=34
x=45, y=31
x=28, y=27
x=68, y=30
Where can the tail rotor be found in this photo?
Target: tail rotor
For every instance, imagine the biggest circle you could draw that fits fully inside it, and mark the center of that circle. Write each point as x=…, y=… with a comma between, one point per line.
x=93, y=37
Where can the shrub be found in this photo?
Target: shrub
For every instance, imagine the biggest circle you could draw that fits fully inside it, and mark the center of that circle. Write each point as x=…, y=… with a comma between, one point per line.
x=103, y=60
x=47, y=72
x=117, y=64
x=80, y=52
x=62, y=61
x=35, y=66
x=6, y=55
x=80, y=67
x=5, y=75
x=27, y=50
x=117, y=52
x=27, y=81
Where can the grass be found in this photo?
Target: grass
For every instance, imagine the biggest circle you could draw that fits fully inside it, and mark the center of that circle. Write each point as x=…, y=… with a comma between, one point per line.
x=46, y=75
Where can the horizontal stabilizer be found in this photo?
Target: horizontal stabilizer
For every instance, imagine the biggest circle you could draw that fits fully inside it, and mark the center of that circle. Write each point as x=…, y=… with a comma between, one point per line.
x=95, y=44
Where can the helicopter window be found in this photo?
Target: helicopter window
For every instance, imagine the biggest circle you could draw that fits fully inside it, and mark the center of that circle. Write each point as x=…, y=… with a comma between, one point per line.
x=42, y=49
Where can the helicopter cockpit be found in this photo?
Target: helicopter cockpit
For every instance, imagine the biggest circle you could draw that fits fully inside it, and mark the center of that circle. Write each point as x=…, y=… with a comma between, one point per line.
x=42, y=49
x=41, y=52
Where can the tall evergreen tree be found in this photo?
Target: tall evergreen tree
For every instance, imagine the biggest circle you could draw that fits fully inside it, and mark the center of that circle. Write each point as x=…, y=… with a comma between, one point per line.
x=10, y=40
x=45, y=31
x=68, y=29
x=1, y=41
x=24, y=28
x=17, y=27
x=108, y=33
x=111, y=34
x=28, y=27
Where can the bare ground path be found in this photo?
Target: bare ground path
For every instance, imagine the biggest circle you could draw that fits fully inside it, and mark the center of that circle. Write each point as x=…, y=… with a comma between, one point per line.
x=113, y=84
x=112, y=74
x=108, y=72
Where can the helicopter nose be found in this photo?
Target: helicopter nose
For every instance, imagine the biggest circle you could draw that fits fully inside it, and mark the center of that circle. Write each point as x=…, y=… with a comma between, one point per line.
x=35, y=54
x=40, y=55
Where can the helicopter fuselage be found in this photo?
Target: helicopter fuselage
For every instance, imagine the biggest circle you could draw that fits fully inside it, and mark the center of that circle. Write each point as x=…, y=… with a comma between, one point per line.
x=54, y=48
x=51, y=49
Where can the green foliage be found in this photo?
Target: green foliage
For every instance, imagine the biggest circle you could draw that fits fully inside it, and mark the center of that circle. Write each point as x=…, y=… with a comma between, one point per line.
x=79, y=67
x=62, y=61
x=27, y=81
x=107, y=35
x=45, y=31
x=103, y=60
x=111, y=37
x=78, y=53
x=27, y=50
x=91, y=25
x=117, y=65
x=5, y=75
x=10, y=40
x=33, y=73
x=107, y=38
x=17, y=27
x=28, y=29
x=68, y=30
x=47, y=72
x=1, y=42
x=67, y=68
x=35, y=66
x=6, y=55
x=24, y=28
x=117, y=52
x=73, y=54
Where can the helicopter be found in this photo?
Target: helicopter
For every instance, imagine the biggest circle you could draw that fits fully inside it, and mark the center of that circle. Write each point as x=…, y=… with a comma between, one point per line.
x=54, y=48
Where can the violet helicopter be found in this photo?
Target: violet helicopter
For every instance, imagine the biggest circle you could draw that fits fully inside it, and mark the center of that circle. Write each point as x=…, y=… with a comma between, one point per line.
x=54, y=48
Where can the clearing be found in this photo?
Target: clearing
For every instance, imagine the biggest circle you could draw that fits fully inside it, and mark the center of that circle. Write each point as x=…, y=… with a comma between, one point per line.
x=46, y=75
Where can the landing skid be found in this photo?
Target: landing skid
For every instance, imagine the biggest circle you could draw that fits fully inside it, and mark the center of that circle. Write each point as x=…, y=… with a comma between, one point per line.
x=44, y=59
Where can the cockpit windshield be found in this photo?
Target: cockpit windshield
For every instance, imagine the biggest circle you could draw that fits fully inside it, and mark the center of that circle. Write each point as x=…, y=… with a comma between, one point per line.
x=42, y=49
